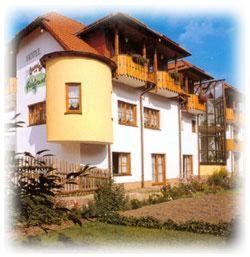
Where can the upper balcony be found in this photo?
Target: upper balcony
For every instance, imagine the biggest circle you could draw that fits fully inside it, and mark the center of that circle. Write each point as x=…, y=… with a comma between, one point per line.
x=230, y=115
x=134, y=72
x=141, y=58
x=129, y=72
x=194, y=105
x=234, y=117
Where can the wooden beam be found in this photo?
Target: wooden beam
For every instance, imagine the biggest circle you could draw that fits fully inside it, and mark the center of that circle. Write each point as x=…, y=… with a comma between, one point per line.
x=155, y=65
x=144, y=50
x=116, y=42
x=175, y=63
x=186, y=83
x=155, y=61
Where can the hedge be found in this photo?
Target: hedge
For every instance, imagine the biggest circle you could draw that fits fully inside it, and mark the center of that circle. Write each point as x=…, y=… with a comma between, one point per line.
x=225, y=229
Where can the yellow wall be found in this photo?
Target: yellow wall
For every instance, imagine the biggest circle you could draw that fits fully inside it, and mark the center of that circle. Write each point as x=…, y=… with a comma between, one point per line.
x=94, y=125
x=209, y=169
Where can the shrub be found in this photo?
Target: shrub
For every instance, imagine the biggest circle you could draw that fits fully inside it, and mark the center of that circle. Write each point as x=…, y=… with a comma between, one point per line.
x=33, y=188
x=135, y=204
x=219, y=178
x=225, y=229
x=109, y=197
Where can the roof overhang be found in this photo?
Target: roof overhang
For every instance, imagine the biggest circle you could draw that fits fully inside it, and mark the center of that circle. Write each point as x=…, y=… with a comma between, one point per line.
x=121, y=17
x=192, y=70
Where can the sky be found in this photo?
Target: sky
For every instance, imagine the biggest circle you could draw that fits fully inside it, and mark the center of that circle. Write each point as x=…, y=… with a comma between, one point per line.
x=212, y=39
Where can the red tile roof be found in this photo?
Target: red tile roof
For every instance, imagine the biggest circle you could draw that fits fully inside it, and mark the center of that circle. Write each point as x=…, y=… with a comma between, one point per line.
x=63, y=29
x=185, y=65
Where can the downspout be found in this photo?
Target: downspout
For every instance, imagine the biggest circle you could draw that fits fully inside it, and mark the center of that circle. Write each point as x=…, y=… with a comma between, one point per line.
x=152, y=86
x=180, y=144
x=198, y=145
x=109, y=161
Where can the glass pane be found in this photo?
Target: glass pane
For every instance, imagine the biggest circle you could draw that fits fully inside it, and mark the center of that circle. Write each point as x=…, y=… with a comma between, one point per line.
x=73, y=91
x=153, y=169
x=74, y=104
x=218, y=90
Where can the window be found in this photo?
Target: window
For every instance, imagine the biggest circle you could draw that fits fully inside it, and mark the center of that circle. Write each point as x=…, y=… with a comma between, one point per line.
x=37, y=113
x=73, y=98
x=212, y=129
x=151, y=118
x=158, y=168
x=121, y=163
x=187, y=166
x=193, y=126
x=126, y=113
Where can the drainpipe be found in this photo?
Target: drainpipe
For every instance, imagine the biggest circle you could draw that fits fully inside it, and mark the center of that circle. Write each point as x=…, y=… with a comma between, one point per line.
x=109, y=161
x=198, y=145
x=152, y=86
x=180, y=145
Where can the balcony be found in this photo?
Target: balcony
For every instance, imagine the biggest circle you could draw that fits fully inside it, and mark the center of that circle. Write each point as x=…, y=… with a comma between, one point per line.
x=234, y=145
x=130, y=72
x=166, y=85
x=134, y=74
x=194, y=105
x=234, y=117
x=230, y=115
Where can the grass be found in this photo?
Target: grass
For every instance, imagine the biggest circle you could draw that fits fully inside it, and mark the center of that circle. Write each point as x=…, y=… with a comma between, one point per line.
x=96, y=234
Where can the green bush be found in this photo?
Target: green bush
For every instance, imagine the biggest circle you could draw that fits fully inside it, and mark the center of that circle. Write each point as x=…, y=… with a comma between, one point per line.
x=32, y=198
x=219, y=178
x=189, y=187
x=135, y=204
x=109, y=197
x=225, y=229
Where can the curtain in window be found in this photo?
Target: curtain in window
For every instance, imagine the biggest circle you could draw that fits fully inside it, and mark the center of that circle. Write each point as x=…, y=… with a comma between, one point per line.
x=73, y=95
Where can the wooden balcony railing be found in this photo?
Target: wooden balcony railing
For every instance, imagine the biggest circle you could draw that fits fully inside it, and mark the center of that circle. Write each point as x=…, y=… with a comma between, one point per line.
x=233, y=145
x=164, y=80
x=126, y=66
x=233, y=116
x=230, y=115
x=194, y=103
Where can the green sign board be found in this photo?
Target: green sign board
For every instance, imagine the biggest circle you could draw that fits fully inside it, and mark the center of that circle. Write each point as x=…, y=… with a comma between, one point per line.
x=35, y=79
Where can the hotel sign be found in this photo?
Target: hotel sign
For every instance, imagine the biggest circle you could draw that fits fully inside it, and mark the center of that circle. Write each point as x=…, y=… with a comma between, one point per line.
x=33, y=54
x=35, y=78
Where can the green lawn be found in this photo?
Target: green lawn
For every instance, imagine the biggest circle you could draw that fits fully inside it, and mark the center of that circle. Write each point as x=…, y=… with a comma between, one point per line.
x=96, y=234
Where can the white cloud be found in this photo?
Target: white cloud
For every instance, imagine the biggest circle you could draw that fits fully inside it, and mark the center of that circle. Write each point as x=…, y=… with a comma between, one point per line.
x=197, y=31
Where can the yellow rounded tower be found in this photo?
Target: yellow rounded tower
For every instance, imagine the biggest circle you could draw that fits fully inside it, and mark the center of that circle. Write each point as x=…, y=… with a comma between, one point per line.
x=78, y=97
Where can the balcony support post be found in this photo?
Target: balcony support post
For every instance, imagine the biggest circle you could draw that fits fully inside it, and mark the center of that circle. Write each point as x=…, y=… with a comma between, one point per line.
x=186, y=84
x=175, y=63
x=155, y=61
x=116, y=42
x=155, y=65
x=144, y=50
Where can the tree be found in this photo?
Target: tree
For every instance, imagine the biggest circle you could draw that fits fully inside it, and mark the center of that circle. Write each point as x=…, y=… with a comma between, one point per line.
x=33, y=187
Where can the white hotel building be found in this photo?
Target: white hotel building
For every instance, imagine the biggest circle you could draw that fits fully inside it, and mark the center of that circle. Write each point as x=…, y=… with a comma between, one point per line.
x=118, y=95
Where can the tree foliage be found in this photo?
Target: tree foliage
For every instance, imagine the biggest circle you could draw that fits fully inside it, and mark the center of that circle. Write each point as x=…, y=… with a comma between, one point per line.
x=32, y=191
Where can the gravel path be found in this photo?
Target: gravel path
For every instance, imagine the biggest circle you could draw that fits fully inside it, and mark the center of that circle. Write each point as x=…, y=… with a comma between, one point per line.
x=211, y=208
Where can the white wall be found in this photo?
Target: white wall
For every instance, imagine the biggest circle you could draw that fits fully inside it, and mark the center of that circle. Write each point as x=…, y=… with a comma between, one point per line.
x=189, y=140
x=163, y=141
x=94, y=155
x=126, y=138
x=34, y=138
